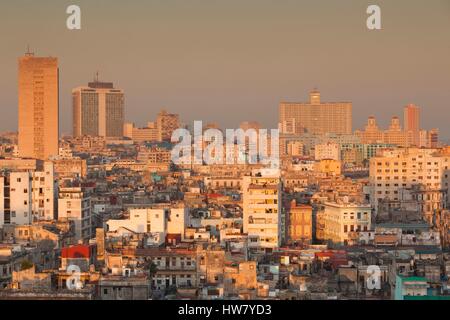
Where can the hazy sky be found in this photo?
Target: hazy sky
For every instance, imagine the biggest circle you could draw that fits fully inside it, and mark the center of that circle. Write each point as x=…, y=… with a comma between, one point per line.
x=234, y=60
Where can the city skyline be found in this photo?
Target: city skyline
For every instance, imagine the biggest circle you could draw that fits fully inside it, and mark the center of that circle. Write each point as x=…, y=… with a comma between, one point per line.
x=262, y=151
x=246, y=71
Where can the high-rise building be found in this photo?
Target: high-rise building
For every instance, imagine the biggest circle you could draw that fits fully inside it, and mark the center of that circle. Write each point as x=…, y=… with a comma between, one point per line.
x=167, y=123
x=38, y=106
x=262, y=209
x=316, y=117
x=411, y=117
x=98, y=110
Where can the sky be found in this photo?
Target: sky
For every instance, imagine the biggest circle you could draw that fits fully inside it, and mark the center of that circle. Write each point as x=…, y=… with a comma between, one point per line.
x=234, y=60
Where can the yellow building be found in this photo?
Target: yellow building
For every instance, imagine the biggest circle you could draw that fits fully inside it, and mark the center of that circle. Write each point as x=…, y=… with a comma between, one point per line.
x=328, y=166
x=149, y=133
x=299, y=223
x=38, y=107
x=240, y=279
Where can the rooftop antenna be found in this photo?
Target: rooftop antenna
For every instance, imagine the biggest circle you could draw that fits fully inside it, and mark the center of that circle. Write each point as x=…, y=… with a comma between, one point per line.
x=29, y=52
x=96, y=77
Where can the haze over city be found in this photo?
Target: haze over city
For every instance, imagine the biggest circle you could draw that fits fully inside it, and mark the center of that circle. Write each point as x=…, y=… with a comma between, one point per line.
x=230, y=61
x=194, y=154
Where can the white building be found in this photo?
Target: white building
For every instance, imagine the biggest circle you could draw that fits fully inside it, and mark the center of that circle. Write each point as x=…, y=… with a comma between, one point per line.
x=27, y=196
x=15, y=198
x=397, y=171
x=262, y=208
x=327, y=151
x=44, y=194
x=161, y=220
x=178, y=219
x=304, y=166
x=74, y=204
x=343, y=221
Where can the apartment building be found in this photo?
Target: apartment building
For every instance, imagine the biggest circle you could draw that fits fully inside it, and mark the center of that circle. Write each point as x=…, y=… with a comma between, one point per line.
x=327, y=151
x=157, y=219
x=167, y=123
x=175, y=267
x=328, y=166
x=315, y=117
x=420, y=174
x=149, y=133
x=44, y=193
x=394, y=135
x=159, y=130
x=27, y=196
x=98, y=110
x=154, y=155
x=299, y=223
x=74, y=204
x=343, y=221
x=262, y=208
